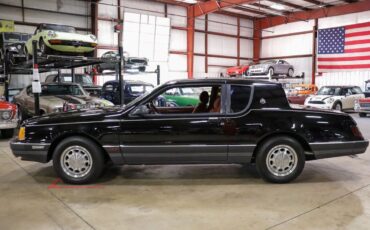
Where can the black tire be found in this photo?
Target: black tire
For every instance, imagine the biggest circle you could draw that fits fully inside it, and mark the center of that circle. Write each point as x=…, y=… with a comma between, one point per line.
x=44, y=49
x=93, y=152
x=21, y=114
x=294, y=152
x=142, y=69
x=7, y=133
x=28, y=55
x=337, y=106
x=362, y=114
x=99, y=69
x=271, y=71
x=290, y=72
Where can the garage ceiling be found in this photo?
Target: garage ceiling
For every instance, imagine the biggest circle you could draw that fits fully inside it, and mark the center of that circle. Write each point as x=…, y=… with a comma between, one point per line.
x=266, y=8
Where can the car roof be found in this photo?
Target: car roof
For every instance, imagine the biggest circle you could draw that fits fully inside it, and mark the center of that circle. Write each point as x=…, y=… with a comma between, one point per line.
x=61, y=83
x=67, y=74
x=129, y=81
x=222, y=81
x=340, y=86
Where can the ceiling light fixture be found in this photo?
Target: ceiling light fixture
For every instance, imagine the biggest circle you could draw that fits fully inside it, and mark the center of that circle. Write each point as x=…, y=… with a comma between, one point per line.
x=277, y=7
x=189, y=1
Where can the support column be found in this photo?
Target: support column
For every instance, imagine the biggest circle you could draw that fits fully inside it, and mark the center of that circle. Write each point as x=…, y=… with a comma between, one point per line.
x=257, y=40
x=314, y=52
x=206, y=43
x=238, y=42
x=190, y=41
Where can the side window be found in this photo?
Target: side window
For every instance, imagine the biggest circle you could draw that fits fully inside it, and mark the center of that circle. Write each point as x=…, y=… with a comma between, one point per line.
x=239, y=98
x=356, y=90
x=187, y=100
x=108, y=88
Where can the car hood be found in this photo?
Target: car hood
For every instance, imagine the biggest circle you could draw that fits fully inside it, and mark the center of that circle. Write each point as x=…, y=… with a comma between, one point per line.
x=73, y=37
x=323, y=97
x=77, y=116
x=259, y=66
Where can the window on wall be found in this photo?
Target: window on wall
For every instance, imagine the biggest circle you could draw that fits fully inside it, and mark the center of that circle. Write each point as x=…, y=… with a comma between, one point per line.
x=146, y=36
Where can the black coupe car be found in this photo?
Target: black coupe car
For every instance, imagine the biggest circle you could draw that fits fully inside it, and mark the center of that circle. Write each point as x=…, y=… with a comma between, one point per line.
x=236, y=122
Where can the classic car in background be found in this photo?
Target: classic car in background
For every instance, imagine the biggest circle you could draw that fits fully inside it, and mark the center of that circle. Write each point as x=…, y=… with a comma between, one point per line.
x=12, y=46
x=182, y=97
x=300, y=92
x=362, y=106
x=56, y=97
x=278, y=142
x=61, y=39
x=237, y=71
x=335, y=97
x=8, y=118
x=132, y=90
x=83, y=79
x=272, y=67
x=367, y=88
x=131, y=64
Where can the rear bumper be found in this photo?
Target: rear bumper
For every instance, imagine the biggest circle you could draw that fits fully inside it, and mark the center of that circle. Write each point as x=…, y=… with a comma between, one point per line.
x=9, y=124
x=336, y=149
x=30, y=151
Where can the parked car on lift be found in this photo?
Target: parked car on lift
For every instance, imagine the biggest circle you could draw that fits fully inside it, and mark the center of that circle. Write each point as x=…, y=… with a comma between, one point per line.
x=272, y=67
x=83, y=79
x=255, y=125
x=131, y=64
x=8, y=118
x=132, y=90
x=12, y=47
x=56, y=97
x=335, y=97
x=237, y=71
x=61, y=39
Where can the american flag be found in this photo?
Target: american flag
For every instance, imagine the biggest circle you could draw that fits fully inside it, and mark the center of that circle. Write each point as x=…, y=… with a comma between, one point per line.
x=345, y=48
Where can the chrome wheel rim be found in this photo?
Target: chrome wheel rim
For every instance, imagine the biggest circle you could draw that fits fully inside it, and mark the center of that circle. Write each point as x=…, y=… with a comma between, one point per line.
x=76, y=161
x=338, y=107
x=281, y=160
x=290, y=73
x=42, y=47
x=271, y=72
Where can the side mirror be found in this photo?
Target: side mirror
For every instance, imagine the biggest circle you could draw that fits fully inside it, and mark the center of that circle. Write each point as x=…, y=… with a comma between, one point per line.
x=140, y=110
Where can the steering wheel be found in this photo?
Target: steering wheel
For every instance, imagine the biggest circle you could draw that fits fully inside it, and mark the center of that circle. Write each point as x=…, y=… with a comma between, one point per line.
x=152, y=108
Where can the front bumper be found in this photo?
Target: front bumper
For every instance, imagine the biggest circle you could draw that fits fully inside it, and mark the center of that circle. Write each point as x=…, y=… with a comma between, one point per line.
x=9, y=124
x=336, y=149
x=30, y=151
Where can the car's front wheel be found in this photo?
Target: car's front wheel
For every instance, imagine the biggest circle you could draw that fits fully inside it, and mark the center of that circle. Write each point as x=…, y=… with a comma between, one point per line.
x=362, y=114
x=78, y=160
x=7, y=133
x=271, y=71
x=44, y=49
x=280, y=159
x=337, y=106
x=290, y=72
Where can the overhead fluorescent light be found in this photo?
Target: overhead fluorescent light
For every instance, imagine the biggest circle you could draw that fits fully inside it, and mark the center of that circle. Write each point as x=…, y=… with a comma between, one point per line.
x=277, y=7
x=189, y=1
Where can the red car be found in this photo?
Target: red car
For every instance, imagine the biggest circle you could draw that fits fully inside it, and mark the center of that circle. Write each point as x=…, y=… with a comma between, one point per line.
x=237, y=70
x=8, y=118
x=362, y=106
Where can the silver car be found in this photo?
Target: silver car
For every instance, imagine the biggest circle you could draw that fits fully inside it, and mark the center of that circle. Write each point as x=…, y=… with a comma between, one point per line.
x=272, y=67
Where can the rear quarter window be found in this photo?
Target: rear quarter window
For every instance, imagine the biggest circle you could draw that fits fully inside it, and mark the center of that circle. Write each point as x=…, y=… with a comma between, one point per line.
x=239, y=98
x=269, y=96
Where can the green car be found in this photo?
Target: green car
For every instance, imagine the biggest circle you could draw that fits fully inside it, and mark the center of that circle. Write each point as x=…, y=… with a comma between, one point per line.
x=181, y=97
x=61, y=39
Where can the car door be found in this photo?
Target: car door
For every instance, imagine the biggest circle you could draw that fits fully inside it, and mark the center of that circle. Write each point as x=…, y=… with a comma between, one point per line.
x=176, y=136
x=357, y=94
x=240, y=127
x=348, y=100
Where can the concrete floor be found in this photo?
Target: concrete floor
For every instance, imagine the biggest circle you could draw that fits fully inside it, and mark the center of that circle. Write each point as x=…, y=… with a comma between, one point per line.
x=330, y=194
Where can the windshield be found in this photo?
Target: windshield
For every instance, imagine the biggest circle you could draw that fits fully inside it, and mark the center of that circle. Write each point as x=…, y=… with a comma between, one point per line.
x=12, y=37
x=139, y=89
x=25, y=37
x=269, y=62
x=55, y=90
x=60, y=28
x=333, y=91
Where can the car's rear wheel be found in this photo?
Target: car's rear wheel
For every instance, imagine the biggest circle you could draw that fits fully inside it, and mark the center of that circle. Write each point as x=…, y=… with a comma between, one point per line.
x=78, y=160
x=7, y=133
x=337, y=106
x=362, y=114
x=280, y=159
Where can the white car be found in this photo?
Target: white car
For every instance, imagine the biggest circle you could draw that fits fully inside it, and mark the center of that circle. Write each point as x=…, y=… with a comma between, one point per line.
x=335, y=97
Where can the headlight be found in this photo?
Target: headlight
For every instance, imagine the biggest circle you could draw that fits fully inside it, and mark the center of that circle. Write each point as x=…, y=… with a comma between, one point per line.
x=6, y=115
x=19, y=47
x=52, y=34
x=329, y=101
x=93, y=37
x=58, y=110
x=12, y=48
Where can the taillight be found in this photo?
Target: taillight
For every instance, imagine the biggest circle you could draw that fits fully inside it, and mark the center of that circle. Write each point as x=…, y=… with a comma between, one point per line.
x=356, y=132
